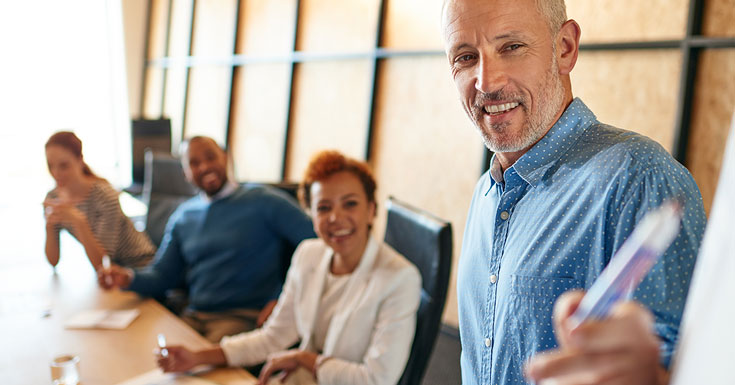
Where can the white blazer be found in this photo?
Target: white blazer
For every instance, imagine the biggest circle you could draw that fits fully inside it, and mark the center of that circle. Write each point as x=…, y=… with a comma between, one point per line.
x=369, y=337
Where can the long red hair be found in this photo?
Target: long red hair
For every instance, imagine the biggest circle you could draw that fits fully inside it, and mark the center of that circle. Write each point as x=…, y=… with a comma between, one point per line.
x=69, y=141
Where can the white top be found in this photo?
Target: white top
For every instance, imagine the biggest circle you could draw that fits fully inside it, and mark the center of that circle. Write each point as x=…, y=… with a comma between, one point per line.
x=334, y=289
x=370, y=333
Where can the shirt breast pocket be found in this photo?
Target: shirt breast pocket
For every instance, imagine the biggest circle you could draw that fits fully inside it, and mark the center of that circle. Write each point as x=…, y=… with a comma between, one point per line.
x=530, y=308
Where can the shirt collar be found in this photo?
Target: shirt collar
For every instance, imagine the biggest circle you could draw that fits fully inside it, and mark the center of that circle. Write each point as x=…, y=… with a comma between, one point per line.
x=226, y=190
x=532, y=165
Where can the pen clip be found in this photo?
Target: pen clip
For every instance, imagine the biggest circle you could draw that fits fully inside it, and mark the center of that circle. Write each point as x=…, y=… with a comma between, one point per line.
x=162, y=344
x=106, y=269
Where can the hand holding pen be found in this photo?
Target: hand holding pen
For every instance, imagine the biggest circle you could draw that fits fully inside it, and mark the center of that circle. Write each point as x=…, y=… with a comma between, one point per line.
x=619, y=349
x=110, y=276
x=174, y=358
x=603, y=338
x=106, y=264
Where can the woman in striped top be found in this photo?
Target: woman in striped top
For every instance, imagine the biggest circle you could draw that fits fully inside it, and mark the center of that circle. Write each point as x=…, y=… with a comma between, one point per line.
x=87, y=206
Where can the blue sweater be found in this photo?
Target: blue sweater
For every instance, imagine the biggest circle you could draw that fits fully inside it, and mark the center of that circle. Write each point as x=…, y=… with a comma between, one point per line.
x=228, y=252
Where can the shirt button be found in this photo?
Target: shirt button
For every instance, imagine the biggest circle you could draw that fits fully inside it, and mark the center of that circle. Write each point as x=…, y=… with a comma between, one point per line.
x=488, y=342
x=504, y=215
x=493, y=278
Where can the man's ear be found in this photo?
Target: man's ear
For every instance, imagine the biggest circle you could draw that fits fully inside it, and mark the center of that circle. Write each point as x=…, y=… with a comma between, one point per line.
x=567, y=46
x=187, y=170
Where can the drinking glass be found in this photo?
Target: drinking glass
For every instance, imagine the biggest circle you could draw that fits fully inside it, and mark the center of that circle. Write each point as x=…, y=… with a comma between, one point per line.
x=65, y=370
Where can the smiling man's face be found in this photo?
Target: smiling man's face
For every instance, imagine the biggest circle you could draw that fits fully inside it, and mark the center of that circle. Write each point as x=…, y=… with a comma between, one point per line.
x=503, y=61
x=206, y=165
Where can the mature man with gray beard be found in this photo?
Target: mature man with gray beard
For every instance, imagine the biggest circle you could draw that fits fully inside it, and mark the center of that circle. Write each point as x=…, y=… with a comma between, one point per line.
x=562, y=194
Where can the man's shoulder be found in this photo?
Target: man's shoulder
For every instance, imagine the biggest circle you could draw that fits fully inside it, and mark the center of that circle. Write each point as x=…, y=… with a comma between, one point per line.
x=615, y=146
x=257, y=191
x=483, y=184
x=188, y=207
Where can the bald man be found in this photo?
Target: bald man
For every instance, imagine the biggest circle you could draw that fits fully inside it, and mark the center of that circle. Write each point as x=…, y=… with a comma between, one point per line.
x=224, y=246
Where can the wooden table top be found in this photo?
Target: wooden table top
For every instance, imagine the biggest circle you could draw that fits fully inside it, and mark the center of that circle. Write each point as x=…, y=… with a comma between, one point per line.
x=35, y=302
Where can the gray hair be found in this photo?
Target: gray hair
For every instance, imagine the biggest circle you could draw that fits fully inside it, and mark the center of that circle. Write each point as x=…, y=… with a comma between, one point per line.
x=553, y=11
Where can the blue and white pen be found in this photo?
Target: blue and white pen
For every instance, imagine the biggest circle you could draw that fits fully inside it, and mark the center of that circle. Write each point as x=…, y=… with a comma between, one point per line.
x=650, y=238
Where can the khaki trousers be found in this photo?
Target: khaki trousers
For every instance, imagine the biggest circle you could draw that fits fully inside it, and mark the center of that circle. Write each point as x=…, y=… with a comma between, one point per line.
x=215, y=325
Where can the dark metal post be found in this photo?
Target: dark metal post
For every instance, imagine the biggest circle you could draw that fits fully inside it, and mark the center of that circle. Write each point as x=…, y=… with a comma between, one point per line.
x=146, y=47
x=689, y=58
x=289, y=103
x=373, y=92
x=232, y=106
x=167, y=53
x=188, y=68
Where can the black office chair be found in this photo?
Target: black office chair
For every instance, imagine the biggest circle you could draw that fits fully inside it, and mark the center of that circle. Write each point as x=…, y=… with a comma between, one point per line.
x=292, y=189
x=147, y=134
x=291, y=192
x=165, y=187
x=425, y=240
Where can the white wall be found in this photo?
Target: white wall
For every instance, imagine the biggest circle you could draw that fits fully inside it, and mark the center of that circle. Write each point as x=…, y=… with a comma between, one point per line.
x=62, y=68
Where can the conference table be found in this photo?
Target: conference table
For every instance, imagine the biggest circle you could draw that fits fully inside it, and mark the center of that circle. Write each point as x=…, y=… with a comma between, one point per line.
x=35, y=303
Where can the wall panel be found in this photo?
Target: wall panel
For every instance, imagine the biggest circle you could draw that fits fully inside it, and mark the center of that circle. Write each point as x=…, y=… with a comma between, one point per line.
x=413, y=24
x=633, y=90
x=259, y=121
x=266, y=26
x=208, y=101
x=158, y=29
x=629, y=20
x=153, y=93
x=714, y=104
x=719, y=18
x=153, y=97
x=173, y=104
x=133, y=11
x=176, y=76
x=330, y=111
x=337, y=26
x=426, y=150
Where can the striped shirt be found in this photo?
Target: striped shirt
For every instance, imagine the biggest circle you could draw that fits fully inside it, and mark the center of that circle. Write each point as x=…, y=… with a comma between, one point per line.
x=125, y=245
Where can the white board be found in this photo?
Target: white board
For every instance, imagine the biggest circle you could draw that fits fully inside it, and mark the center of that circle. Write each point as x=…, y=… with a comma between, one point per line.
x=706, y=351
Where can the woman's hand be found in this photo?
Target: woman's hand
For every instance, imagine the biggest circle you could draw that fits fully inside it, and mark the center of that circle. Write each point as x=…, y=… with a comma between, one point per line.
x=177, y=359
x=59, y=212
x=287, y=362
x=69, y=214
x=52, y=218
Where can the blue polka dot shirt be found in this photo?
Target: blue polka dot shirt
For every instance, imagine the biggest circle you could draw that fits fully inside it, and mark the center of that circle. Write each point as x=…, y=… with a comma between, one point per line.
x=551, y=223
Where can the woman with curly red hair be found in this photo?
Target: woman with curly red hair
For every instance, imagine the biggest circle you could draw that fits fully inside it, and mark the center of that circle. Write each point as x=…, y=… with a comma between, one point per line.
x=349, y=299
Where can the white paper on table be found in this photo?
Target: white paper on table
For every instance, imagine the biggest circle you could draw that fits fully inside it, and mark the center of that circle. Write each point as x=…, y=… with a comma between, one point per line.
x=102, y=319
x=157, y=377
x=706, y=349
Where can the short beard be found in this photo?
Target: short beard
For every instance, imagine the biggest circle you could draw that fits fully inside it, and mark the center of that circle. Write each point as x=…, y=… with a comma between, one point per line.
x=548, y=103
